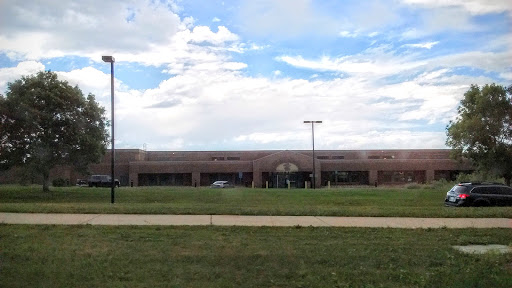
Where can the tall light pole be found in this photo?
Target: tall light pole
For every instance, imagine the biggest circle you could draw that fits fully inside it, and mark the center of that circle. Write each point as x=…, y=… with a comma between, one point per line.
x=111, y=60
x=313, y=136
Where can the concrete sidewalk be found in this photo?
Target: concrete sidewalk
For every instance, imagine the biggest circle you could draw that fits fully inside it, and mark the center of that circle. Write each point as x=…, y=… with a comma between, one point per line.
x=236, y=220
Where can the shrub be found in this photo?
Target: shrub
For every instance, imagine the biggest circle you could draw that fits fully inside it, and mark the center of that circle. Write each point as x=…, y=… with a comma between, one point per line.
x=439, y=184
x=479, y=177
x=413, y=186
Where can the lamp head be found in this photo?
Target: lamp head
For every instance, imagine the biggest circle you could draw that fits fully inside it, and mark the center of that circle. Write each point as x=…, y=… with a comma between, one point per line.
x=109, y=59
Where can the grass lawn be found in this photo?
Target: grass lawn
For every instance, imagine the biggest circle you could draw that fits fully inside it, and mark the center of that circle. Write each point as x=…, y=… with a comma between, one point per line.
x=102, y=256
x=367, y=201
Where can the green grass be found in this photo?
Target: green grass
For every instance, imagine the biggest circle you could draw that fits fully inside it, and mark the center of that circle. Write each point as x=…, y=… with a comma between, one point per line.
x=102, y=256
x=369, y=201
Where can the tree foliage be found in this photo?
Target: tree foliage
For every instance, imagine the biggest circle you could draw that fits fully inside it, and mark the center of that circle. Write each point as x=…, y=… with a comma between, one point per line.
x=46, y=122
x=482, y=130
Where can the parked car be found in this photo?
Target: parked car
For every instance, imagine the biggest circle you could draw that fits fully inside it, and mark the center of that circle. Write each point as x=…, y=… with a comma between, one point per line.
x=479, y=194
x=81, y=182
x=221, y=184
x=101, y=181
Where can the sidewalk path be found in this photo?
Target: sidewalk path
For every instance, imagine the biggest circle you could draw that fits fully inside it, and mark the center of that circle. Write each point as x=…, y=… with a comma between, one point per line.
x=236, y=220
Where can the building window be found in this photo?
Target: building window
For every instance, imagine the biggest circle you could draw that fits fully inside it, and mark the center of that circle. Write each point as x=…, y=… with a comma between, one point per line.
x=217, y=158
x=401, y=176
x=346, y=177
x=322, y=157
x=165, y=179
x=234, y=158
x=338, y=157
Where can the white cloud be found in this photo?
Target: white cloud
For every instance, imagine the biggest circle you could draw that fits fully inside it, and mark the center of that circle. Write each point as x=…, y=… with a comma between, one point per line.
x=412, y=33
x=265, y=138
x=506, y=75
x=215, y=19
x=284, y=19
x=382, y=61
x=431, y=76
x=204, y=34
x=450, y=18
x=431, y=102
x=22, y=69
x=230, y=108
x=394, y=139
x=488, y=61
x=427, y=45
x=198, y=49
x=348, y=34
x=35, y=29
x=379, y=61
x=358, y=33
x=462, y=16
x=455, y=15
x=375, y=15
x=476, y=7
x=258, y=47
x=91, y=80
x=351, y=118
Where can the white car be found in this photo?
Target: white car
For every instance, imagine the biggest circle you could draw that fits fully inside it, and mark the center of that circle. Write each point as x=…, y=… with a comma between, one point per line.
x=221, y=184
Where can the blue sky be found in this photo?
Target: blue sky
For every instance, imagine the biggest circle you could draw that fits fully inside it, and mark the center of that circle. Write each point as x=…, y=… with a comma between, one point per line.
x=244, y=75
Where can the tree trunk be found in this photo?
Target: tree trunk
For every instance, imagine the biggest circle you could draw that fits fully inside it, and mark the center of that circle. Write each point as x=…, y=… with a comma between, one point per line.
x=507, y=181
x=46, y=181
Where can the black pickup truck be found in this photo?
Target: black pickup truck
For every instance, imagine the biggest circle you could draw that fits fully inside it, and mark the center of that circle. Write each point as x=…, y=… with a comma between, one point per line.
x=101, y=181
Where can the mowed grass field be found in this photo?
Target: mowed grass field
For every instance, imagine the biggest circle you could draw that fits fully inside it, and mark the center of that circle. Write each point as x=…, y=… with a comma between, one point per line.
x=101, y=256
x=361, y=201
x=212, y=256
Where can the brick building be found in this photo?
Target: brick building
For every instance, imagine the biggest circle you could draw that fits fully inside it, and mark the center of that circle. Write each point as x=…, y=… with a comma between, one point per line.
x=340, y=167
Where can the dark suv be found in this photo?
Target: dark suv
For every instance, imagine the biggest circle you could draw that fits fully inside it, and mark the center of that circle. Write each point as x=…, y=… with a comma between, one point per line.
x=101, y=181
x=479, y=194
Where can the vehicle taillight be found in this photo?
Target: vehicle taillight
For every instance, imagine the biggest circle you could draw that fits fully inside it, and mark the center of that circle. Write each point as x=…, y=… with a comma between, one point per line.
x=463, y=196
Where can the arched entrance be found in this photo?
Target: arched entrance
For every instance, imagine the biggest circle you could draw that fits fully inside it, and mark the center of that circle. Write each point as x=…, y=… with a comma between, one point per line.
x=279, y=167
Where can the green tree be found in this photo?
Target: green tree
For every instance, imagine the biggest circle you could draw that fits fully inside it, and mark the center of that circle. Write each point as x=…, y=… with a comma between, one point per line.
x=46, y=122
x=482, y=130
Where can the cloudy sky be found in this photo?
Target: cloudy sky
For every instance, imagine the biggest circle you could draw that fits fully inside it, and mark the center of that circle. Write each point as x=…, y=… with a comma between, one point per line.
x=244, y=75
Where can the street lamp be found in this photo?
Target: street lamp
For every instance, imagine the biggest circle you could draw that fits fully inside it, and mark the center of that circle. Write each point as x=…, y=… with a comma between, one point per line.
x=313, y=134
x=111, y=60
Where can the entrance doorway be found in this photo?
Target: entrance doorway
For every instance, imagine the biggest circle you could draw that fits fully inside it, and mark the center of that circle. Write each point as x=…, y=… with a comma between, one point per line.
x=283, y=174
x=281, y=179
